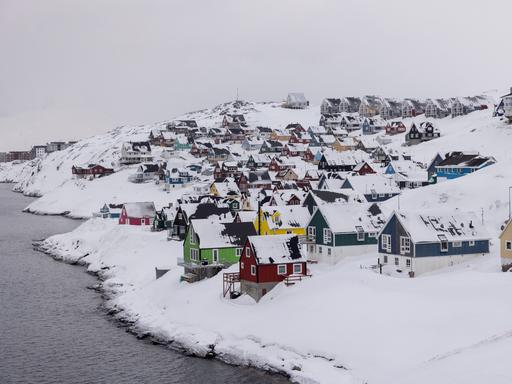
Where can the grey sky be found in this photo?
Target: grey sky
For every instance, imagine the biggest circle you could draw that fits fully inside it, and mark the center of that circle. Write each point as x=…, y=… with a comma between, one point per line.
x=72, y=68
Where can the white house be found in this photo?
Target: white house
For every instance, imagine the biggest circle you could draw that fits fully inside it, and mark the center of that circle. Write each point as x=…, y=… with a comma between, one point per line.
x=296, y=101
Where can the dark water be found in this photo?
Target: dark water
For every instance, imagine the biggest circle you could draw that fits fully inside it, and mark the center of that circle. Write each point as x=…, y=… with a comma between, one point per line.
x=52, y=329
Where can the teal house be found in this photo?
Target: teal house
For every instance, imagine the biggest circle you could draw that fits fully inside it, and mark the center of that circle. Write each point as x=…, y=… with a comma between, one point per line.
x=336, y=231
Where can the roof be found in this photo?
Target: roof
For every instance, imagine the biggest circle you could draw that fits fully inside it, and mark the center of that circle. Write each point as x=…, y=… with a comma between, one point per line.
x=137, y=146
x=328, y=196
x=465, y=159
x=373, y=183
x=215, y=234
x=297, y=98
x=351, y=217
x=288, y=216
x=277, y=249
x=140, y=209
x=453, y=227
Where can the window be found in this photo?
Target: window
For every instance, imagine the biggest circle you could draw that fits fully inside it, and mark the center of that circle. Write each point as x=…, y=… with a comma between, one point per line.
x=253, y=270
x=247, y=252
x=472, y=243
x=192, y=235
x=396, y=261
x=327, y=236
x=319, y=249
x=405, y=245
x=238, y=252
x=194, y=254
x=215, y=255
x=360, y=233
x=386, y=243
x=311, y=233
x=457, y=244
x=408, y=263
x=372, y=234
x=242, y=265
x=281, y=269
x=508, y=245
x=329, y=251
x=444, y=243
x=385, y=259
x=297, y=268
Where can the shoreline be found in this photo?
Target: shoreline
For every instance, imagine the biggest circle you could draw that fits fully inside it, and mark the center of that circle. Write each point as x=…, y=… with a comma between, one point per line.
x=123, y=320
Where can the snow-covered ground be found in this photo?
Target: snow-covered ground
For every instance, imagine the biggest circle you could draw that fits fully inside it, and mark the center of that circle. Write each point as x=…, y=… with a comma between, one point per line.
x=346, y=324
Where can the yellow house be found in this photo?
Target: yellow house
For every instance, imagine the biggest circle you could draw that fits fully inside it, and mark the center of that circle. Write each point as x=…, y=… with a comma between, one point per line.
x=506, y=246
x=281, y=220
x=347, y=144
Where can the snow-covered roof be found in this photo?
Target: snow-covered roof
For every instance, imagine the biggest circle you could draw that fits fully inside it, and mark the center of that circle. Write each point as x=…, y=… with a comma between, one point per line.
x=140, y=209
x=277, y=249
x=288, y=216
x=433, y=227
x=351, y=217
x=296, y=97
x=216, y=234
x=373, y=183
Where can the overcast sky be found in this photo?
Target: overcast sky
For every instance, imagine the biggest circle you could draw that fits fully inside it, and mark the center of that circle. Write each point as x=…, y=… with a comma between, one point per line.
x=71, y=68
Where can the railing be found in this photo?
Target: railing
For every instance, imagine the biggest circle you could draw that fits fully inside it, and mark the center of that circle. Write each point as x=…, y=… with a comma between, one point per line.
x=292, y=279
x=229, y=279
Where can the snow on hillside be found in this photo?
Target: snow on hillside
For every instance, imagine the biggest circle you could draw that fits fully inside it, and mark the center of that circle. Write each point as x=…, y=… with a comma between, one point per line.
x=51, y=177
x=346, y=324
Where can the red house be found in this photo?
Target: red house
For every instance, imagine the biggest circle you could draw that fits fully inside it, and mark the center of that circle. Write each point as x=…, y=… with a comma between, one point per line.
x=363, y=168
x=395, y=127
x=91, y=170
x=268, y=260
x=141, y=213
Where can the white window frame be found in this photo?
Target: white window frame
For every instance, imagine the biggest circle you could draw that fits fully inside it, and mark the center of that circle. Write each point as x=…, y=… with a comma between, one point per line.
x=360, y=234
x=253, y=270
x=327, y=236
x=242, y=265
x=311, y=232
x=238, y=252
x=279, y=266
x=405, y=245
x=408, y=263
x=247, y=252
x=320, y=249
x=192, y=236
x=471, y=243
x=385, y=259
x=295, y=267
x=194, y=254
x=397, y=261
x=508, y=245
x=329, y=251
x=386, y=242
x=457, y=244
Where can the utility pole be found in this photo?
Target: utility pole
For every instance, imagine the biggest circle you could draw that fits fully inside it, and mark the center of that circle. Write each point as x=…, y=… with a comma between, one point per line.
x=236, y=93
x=259, y=215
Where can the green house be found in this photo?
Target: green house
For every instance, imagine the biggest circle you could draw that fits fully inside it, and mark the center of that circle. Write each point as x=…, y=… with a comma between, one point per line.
x=211, y=245
x=339, y=230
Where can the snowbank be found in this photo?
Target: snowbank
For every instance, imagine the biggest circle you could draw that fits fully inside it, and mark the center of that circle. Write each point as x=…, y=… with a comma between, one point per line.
x=346, y=324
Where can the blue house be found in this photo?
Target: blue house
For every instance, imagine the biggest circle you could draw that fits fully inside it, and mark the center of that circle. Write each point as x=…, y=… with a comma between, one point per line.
x=176, y=177
x=413, y=244
x=457, y=164
x=367, y=127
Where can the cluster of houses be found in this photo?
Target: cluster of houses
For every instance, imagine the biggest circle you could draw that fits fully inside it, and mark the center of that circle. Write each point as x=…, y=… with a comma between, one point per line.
x=387, y=108
x=37, y=151
x=275, y=200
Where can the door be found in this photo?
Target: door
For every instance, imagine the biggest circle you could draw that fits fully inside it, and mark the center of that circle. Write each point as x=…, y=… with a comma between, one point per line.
x=215, y=255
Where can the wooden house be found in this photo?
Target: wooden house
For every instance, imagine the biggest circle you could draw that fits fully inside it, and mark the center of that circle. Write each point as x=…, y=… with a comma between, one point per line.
x=211, y=245
x=506, y=246
x=136, y=152
x=316, y=198
x=280, y=220
x=91, y=171
x=271, y=146
x=457, y=164
x=189, y=211
x=296, y=101
x=140, y=213
x=265, y=262
x=330, y=106
x=412, y=244
x=424, y=132
x=233, y=121
x=336, y=231
x=395, y=127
